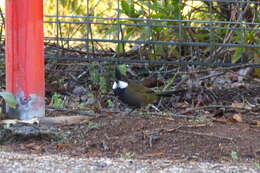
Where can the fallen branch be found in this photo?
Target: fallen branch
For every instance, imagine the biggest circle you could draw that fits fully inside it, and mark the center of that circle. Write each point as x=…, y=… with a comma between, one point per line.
x=80, y=112
x=50, y=121
x=64, y=120
x=216, y=106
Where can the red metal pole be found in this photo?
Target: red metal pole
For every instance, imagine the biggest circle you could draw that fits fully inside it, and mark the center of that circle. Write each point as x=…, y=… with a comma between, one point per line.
x=24, y=57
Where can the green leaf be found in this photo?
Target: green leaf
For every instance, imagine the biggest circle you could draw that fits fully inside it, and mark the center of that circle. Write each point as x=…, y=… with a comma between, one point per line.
x=95, y=76
x=109, y=103
x=9, y=99
x=129, y=9
x=122, y=68
x=125, y=7
x=234, y=155
x=159, y=16
x=103, y=84
x=130, y=33
x=237, y=55
x=56, y=100
x=63, y=3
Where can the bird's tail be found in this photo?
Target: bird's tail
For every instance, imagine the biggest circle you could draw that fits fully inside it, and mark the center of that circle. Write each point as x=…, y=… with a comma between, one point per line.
x=170, y=93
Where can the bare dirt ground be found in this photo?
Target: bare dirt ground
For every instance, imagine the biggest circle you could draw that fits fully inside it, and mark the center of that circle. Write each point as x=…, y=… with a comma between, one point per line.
x=145, y=136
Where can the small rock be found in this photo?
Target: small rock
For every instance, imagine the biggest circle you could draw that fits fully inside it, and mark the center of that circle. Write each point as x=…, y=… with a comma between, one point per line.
x=22, y=131
x=79, y=91
x=99, y=164
x=91, y=101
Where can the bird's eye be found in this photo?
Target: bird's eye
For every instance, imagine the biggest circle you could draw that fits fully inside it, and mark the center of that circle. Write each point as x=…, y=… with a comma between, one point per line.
x=114, y=86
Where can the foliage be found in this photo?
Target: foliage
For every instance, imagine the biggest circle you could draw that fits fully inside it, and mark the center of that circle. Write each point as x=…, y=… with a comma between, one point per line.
x=74, y=8
x=256, y=164
x=56, y=100
x=128, y=155
x=247, y=37
x=100, y=76
x=146, y=30
x=109, y=103
x=234, y=155
x=9, y=99
x=123, y=69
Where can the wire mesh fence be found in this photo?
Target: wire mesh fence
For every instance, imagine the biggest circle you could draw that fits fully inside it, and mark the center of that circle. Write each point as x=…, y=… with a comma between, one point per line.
x=206, y=32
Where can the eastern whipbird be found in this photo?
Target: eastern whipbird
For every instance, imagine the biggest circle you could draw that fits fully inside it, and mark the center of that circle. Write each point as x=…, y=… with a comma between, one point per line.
x=134, y=94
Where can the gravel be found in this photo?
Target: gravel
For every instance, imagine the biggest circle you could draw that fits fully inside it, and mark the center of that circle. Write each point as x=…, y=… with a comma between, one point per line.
x=12, y=162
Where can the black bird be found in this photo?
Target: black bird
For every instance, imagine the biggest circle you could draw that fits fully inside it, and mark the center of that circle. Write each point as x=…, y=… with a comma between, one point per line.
x=133, y=93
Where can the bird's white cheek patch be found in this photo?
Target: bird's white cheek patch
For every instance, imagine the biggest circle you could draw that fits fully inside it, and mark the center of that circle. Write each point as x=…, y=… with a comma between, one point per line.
x=122, y=84
x=114, y=86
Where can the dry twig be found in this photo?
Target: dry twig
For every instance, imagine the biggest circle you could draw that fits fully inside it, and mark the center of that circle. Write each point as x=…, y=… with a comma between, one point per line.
x=205, y=134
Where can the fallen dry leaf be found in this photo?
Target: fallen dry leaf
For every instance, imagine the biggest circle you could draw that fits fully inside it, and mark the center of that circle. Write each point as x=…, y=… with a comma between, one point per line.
x=182, y=104
x=207, y=115
x=159, y=154
x=241, y=106
x=62, y=147
x=239, y=85
x=255, y=122
x=236, y=118
x=33, y=146
x=237, y=105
